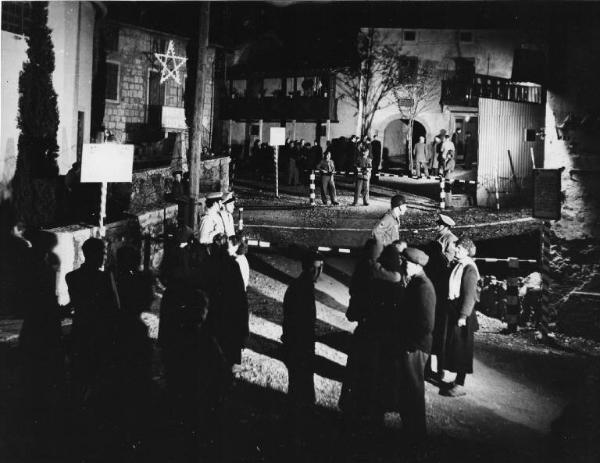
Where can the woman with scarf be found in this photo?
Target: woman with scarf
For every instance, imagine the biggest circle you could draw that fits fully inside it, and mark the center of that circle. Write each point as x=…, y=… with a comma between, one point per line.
x=462, y=317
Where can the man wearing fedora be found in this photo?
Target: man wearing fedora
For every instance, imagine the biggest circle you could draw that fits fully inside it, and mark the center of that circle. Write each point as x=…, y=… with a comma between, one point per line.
x=387, y=229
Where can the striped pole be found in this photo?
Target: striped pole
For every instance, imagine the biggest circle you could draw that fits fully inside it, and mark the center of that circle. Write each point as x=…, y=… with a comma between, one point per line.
x=312, y=188
x=545, y=257
x=497, y=194
x=102, y=215
x=442, y=193
x=512, y=295
x=240, y=219
x=276, y=162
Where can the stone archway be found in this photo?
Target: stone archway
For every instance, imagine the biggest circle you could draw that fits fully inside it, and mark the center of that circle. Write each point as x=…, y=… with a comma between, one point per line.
x=395, y=140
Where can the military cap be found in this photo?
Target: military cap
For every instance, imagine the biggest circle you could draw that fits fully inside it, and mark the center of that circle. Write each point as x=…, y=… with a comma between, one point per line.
x=228, y=197
x=214, y=195
x=416, y=256
x=445, y=220
x=398, y=200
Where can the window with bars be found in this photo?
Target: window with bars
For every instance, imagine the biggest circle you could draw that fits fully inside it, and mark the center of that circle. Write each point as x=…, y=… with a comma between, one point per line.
x=112, y=82
x=16, y=17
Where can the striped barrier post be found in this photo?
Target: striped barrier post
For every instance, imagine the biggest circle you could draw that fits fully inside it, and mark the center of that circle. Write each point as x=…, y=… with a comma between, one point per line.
x=513, y=308
x=543, y=312
x=442, y=193
x=312, y=188
x=240, y=219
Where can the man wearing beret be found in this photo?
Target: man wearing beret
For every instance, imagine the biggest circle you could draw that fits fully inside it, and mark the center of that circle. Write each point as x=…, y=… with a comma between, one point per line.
x=387, y=229
x=417, y=328
x=211, y=223
x=226, y=214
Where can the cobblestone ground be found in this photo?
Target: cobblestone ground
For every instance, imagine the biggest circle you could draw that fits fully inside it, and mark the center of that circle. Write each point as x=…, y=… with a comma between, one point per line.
x=518, y=389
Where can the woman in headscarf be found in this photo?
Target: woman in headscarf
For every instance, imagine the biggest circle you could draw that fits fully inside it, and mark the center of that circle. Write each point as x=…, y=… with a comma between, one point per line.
x=462, y=318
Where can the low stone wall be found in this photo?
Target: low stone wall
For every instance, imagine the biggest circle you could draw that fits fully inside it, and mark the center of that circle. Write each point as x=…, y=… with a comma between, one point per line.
x=142, y=231
x=214, y=174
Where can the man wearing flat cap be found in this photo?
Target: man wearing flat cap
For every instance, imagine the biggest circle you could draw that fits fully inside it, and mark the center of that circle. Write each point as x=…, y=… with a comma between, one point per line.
x=416, y=333
x=441, y=254
x=387, y=229
x=211, y=223
x=226, y=214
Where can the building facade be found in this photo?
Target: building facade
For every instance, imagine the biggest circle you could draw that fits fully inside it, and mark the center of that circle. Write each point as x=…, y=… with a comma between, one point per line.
x=72, y=32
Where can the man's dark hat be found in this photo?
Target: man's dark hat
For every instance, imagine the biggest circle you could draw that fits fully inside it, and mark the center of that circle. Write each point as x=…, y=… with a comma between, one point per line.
x=398, y=200
x=416, y=256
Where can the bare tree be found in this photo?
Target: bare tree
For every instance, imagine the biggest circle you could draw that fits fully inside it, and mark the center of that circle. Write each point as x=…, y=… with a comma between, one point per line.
x=414, y=85
x=367, y=85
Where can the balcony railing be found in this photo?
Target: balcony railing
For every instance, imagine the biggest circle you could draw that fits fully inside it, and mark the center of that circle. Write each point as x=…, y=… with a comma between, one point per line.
x=461, y=92
x=299, y=108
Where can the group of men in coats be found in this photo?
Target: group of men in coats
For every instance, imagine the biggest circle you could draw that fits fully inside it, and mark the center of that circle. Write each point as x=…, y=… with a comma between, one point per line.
x=409, y=304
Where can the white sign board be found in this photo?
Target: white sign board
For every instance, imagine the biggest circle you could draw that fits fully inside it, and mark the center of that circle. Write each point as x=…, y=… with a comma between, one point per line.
x=106, y=162
x=277, y=136
x=173, y=118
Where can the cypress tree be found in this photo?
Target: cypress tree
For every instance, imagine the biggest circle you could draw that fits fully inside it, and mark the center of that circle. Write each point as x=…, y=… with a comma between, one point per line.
x=37, y=119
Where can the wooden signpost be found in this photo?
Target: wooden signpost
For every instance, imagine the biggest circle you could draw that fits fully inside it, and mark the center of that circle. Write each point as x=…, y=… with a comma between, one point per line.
x=277, y=139
x=103, y=163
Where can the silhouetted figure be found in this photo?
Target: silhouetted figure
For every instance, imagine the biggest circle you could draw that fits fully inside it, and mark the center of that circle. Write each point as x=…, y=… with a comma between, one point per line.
x=94, y=305
x=376, y=151
x=228, y=307
x=134, y=346
x=299, y=317
x=42, y=349
x=197, y=374
x=15, y=265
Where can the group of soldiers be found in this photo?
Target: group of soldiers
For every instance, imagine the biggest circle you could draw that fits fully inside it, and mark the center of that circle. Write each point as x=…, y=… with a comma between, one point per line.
x=411, y=305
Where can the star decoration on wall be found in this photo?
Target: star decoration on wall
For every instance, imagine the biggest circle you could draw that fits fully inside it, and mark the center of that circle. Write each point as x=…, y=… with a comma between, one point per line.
x=170, y=70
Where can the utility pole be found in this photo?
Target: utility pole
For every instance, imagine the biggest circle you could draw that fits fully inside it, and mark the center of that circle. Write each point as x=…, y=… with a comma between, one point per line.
x=196, y=139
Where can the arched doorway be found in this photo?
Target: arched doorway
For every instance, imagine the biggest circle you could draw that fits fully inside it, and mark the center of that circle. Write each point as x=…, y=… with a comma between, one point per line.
x=395, y=141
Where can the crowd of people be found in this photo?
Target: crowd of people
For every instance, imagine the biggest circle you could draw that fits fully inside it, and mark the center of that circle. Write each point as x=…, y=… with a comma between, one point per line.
x=410, y=305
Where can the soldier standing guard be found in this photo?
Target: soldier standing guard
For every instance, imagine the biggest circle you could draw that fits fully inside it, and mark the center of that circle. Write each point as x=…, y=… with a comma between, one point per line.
x=226, y=214
x=363, y=175
x=211, y=223
x=387, y=229
x=327, y=168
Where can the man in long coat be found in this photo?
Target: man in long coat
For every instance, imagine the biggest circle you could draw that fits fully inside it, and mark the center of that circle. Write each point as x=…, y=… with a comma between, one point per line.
x=387, y=229
x=95, y=313
x=441, y=254
x=299, y=318
x=416, y=335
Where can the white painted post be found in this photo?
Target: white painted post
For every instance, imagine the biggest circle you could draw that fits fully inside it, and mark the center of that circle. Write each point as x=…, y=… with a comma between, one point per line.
x=102, y=215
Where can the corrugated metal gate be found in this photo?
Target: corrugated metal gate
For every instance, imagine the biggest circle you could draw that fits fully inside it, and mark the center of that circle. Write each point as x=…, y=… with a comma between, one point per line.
x=503, y=126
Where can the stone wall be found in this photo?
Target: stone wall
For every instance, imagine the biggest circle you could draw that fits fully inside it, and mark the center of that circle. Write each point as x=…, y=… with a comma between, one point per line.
x=143, y=231
x=135, y=56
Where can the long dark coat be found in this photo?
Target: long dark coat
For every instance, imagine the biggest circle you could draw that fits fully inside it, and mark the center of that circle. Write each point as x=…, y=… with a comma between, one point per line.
x=371, y=383
x=298, y=337
x=458, y=354
x=228, y=305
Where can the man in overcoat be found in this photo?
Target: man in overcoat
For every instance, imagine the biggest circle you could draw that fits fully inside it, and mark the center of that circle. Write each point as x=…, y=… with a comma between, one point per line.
x=299, y=318
x=416, y=335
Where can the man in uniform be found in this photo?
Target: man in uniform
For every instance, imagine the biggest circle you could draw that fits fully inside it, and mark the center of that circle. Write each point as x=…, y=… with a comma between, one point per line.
x=387, y=229
x=363, y=175
x=226, y=214
x=211, y=223
x=441, y=254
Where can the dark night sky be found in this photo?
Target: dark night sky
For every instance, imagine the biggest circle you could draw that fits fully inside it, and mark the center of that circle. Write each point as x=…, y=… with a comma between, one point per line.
x=326, y=31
